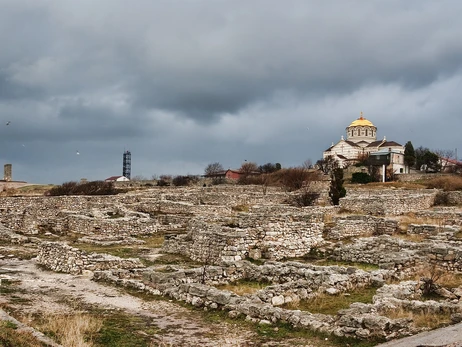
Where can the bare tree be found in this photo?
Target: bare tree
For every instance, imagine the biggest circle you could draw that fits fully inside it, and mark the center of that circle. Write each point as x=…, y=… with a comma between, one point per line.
x=213, y=169
x=327, y=165
x=445, y=156
x=307, y=164
x=248, y=167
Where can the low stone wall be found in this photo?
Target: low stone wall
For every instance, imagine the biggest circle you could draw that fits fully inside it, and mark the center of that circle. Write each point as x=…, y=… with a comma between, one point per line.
x=63, y=258
x=454, y=198
x=393, y=253
x=444, y=215
x=430, y=229
x=298, y=282
x=418, y=176
x=343, y=227
x=388, y=202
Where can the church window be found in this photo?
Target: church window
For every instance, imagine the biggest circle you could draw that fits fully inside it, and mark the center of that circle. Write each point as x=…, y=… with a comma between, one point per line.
x=366, y=132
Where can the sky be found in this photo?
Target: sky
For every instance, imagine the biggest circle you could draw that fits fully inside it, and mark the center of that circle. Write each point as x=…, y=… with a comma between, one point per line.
x=185, y=83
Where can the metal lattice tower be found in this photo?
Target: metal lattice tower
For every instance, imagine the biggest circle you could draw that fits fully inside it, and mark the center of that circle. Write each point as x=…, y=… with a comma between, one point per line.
x=127, y=165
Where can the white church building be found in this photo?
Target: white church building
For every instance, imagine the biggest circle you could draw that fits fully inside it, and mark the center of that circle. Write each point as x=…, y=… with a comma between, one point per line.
x=361, y=141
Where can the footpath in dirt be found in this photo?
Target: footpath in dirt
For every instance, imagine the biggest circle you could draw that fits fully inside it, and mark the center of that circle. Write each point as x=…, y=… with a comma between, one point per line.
x=43, y=292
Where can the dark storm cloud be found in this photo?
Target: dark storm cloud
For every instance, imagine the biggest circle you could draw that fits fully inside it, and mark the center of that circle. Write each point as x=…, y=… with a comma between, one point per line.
x=183, y=83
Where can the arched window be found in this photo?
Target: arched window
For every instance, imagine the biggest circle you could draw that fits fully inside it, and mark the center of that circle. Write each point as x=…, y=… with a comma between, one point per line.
x=366, y=133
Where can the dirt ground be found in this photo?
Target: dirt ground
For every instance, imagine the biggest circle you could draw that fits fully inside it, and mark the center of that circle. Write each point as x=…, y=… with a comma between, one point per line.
x=42, y=292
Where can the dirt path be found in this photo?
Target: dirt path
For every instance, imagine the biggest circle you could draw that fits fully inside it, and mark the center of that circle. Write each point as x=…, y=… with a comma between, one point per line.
x=45, y=289
x=43, y=292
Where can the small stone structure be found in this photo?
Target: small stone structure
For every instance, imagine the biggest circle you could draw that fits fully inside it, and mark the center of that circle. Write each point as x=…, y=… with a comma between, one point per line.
x=7, y=173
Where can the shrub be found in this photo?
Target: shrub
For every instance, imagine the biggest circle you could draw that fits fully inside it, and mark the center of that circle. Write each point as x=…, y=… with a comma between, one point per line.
x=361, y=177
x=293, y=178
x=180, y=181
x=304, y=199
x=88, y=188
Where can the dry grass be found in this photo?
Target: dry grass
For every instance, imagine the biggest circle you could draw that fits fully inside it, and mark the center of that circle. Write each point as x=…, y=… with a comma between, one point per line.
x=240, y=208
x=244, y=287
x=331, y=304
x=29, y=190
x=443, y=278
x=447, y=183
x=411, y=218
x=10, y=336
x=385, y=185
x=411, y=237
x=72, y=330
x=421, y=319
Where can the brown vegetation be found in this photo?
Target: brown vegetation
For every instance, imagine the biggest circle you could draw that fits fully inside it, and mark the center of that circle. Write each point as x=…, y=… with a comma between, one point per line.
x=447, y=183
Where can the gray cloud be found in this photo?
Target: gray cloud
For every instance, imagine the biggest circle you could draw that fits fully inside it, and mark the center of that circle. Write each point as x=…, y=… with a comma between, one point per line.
x=185, y=83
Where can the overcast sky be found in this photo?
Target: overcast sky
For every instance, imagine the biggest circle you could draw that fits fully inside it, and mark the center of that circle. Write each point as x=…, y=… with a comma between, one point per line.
x=184, y=83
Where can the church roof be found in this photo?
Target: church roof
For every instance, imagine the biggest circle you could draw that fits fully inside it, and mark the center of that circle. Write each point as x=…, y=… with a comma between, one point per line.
x=351, y=143
x=361, y=121
x=381, y=143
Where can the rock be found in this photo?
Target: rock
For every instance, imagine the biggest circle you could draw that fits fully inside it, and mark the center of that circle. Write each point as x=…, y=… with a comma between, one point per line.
x=445, y=293
x=332, y=291
x=277, y=300
x=363, y=333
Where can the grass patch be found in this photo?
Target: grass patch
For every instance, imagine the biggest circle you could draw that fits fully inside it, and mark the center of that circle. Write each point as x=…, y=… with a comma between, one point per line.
x=285, y=331
x=8, y=287
x=72, y=330
x=176, y=259
x=120, y=329
x=9, y=336
x=421, y=319
x=240, y=208
x=125, y=251
x=243, y=287
x=331, y=304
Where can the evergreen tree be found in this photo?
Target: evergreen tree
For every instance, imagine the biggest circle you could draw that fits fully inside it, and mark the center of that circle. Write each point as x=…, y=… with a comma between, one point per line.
x=336, y=190
x=409, y=154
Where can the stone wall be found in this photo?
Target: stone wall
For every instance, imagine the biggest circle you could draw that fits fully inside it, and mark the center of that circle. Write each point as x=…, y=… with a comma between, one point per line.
x=387, y=202
x=63, y=258
x=272, y=236
x=394, y=253
x=343, y=227
x=291, y=282
x=418, y=176
x=443, y=215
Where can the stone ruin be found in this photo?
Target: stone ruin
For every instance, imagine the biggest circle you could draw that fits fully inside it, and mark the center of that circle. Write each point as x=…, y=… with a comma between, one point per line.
x=237, y=233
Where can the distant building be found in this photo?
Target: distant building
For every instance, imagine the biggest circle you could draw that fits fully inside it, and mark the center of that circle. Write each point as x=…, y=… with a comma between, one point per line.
x=362, y=142
x=116, y=179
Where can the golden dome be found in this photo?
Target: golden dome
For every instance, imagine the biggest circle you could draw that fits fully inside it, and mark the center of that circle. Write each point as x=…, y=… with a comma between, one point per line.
x=361, y=121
